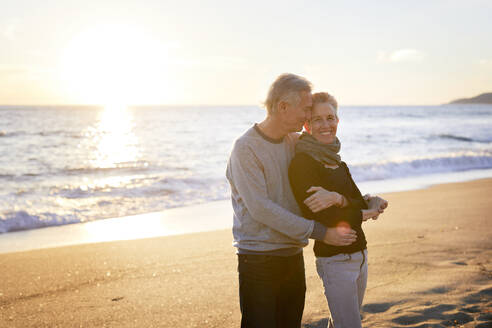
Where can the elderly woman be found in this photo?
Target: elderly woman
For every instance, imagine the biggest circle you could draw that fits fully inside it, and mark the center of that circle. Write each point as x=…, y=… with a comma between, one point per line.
x=337, y=202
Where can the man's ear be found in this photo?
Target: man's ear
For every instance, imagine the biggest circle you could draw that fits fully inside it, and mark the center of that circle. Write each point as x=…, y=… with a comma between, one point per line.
x=282, y=107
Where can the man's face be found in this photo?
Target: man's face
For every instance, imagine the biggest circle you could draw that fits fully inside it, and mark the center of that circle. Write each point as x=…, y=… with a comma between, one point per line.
x=296, y=116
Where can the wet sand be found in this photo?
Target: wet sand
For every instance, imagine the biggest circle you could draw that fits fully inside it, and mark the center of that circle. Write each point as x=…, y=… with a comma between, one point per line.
x=430, y=265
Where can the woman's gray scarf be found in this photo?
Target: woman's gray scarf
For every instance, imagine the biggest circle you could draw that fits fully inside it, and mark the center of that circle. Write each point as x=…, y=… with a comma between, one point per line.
x=324, y=153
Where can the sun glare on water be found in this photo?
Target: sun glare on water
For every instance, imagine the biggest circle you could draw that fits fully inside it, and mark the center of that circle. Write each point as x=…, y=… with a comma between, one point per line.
x=117, y=145
x=114, y=65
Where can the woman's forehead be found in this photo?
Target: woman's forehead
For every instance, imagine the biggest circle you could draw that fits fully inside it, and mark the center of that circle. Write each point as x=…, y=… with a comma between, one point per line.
x=323, y=109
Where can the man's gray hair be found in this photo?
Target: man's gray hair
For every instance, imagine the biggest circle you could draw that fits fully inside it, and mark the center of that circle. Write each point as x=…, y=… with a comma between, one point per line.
x=287, y=87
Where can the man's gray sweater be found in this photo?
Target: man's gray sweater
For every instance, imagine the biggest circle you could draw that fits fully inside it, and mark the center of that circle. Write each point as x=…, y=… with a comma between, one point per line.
x=266, y=215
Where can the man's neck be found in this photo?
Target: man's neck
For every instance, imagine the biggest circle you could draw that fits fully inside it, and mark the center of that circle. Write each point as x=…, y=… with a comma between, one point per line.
x=272, y=128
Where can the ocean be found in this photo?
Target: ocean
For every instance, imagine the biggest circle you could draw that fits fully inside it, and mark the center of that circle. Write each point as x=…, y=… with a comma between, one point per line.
x=71, y=164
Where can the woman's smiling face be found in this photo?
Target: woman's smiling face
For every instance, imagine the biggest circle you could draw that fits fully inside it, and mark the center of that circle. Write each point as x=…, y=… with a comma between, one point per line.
x=324, y=123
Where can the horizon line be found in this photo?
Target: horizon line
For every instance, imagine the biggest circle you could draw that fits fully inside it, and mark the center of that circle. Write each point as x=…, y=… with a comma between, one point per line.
x=210, y=105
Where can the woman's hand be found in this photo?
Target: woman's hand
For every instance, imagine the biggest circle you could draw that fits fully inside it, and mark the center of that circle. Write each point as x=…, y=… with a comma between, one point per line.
x=371, y=213
x=322, y=199
x=376, y=204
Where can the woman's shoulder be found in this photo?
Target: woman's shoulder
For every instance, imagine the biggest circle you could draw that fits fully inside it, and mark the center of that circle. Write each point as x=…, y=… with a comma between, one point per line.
x=303, y=160
x=345, y=166
x=303, y=169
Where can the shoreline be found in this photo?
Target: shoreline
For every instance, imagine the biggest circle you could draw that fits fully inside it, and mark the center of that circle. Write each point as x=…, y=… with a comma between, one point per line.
x=134, y=227
x=430, y=264
x=169, y=222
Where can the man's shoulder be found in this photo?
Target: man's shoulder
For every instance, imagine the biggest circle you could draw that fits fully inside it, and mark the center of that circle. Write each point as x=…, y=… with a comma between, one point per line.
x=252, y=141
x=292, y=137
x=247, y=139
x=249, y=145
x=248, y=135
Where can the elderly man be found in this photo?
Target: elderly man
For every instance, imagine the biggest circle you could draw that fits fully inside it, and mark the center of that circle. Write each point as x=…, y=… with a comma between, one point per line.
x=268, y=231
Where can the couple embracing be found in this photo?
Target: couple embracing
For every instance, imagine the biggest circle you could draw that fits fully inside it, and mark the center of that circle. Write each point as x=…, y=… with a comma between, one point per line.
x=287, y=188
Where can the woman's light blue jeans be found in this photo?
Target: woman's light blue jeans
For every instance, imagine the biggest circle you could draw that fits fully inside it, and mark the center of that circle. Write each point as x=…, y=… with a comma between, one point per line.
x=344, y=278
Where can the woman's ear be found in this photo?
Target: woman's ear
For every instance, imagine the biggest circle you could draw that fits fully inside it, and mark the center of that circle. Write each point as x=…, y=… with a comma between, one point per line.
x=307, y=127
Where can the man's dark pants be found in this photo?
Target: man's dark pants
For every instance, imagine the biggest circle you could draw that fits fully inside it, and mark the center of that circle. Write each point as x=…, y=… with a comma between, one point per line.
x=271, y=290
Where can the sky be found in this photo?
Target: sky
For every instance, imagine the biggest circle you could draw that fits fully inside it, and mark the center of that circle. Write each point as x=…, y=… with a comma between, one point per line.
x=229, y=52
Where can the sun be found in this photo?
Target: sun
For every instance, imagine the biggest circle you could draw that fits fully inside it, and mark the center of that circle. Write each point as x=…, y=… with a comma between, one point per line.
x=115, y=65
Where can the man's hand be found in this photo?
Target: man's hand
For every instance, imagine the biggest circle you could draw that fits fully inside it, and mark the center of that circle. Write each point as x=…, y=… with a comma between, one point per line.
x=322, y=199
x=340, y=236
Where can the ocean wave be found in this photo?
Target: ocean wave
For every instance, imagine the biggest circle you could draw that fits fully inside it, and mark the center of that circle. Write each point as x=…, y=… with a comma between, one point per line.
x=61, y=133
x=99, y=203
x=138, y=187
x=31, y=174
x=461, y=138
x=18, y=177
x=22, y=220
x=119, y=167
x=450, y=136
x=51, y=133
x=126, y=167
x=6, y=134
x=421, y=166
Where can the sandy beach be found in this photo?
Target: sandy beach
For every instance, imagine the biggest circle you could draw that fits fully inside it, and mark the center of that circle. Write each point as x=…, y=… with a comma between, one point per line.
x=430, y=265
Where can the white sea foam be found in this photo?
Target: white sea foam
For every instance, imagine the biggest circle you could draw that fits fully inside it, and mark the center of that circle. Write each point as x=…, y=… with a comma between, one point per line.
x=21, y=220
x=421, y=166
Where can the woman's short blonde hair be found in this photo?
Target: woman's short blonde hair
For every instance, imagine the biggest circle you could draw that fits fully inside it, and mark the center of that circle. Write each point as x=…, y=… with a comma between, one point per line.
x=325, y=97
x=322, y=98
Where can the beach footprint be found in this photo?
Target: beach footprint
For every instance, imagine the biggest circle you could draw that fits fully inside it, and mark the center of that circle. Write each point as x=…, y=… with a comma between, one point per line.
x=438, y=290
x=377, y=307
x=471, y=309
x=481, y=304
x=485, y=295
x=323, y=323
x=439, y=312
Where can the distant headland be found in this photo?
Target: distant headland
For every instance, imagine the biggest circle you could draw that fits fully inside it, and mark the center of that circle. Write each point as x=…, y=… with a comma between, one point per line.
x=484, y=98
